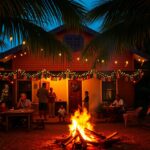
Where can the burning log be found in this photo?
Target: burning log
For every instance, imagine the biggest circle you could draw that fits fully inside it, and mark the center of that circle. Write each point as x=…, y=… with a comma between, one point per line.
x=64, y=144
x=95, y=134
x=94, y=143
x=111, y=136
x=63, y=140
x=109, y=141
x=84, y=143
x=82, y=135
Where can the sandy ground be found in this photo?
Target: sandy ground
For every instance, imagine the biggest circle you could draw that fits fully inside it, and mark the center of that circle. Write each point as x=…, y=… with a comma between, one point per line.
x=135, y=138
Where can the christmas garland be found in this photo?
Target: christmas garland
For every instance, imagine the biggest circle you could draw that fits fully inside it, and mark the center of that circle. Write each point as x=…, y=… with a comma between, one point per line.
x=21, y=74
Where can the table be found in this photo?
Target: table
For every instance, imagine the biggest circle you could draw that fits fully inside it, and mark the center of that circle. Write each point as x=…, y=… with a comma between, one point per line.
x=16, y=113
x=113, y=113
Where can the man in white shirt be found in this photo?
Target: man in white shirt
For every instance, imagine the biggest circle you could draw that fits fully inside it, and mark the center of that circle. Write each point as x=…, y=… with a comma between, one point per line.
x=118, y=102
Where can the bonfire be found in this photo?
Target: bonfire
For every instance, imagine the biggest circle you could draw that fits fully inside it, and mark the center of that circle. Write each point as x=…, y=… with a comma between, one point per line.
x=82, y=133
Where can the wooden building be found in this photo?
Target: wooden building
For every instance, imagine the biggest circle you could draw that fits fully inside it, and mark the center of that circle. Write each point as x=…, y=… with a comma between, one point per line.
x=70, y=79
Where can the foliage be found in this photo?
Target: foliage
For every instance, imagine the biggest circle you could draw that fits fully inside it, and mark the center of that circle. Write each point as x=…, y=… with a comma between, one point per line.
x=126, y=26
x=24, y=20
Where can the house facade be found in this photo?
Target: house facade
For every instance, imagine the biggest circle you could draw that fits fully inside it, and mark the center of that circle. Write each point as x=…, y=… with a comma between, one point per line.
x=70, y=78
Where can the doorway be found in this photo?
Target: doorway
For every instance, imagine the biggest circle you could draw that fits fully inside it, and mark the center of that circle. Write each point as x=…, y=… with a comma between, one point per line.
x=75, y=95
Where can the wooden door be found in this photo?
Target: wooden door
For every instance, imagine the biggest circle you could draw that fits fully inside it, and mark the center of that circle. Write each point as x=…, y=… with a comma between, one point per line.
x=75, y=94
x=36, y=84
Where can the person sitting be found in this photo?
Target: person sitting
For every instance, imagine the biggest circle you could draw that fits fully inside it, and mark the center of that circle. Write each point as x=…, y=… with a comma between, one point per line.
x=61, y=114
x=118, y=102
x=24, y=102
x=118, y=109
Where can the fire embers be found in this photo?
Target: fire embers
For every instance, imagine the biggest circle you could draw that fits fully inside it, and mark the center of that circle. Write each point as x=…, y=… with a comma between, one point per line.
x=82, y=135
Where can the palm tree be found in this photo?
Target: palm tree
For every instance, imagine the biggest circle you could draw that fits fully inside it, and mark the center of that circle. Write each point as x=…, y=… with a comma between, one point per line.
x=24, y=20
x=126, y=26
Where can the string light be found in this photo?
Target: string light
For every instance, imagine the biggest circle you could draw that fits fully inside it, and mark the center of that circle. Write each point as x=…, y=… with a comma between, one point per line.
x=86, y=60
x=97, y=60
x=60, y=54
x=25, y=53
x=102, y=61
x=15, y=56
x=21, y=54
x=116, y=62
x=42, y=49
x=6, y=57
x=143, y=61
x=78, y=58
x=21, y=74
x=139, y=59
x=24, y=42
x=11, y=38
x=127, y=62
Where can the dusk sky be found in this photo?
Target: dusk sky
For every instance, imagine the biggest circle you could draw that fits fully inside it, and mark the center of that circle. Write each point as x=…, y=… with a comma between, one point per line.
x=95, y=26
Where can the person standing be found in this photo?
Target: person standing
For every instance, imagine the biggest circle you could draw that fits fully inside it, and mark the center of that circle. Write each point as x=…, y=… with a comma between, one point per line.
x=51, y=103
x=43, y=96
x=86, y=100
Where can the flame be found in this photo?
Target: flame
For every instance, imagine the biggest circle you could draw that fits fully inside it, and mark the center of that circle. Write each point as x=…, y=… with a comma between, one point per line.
x=80, y=121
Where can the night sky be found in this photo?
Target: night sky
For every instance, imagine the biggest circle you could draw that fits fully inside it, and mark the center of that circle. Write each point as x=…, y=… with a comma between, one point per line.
x=95, y=26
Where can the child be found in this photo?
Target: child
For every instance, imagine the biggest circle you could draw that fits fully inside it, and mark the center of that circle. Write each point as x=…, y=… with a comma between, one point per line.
x=61, y=113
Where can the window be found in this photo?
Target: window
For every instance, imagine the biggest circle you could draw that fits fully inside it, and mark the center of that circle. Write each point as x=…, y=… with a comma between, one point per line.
x=24, y=87
x=108, y=91
x=76, y=42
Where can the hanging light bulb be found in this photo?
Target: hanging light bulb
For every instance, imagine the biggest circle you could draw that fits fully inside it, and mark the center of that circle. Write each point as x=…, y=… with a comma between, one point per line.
x=86, y=59
x=97, y=60
x=24, y=42
x=42, y=49
x=78, y=58
x=143, y=60
x=21, y=54
x=102, y=61
x=15, y=56
x=60, y=54
x=116, y=62
x=11, y=38
x=126, y=63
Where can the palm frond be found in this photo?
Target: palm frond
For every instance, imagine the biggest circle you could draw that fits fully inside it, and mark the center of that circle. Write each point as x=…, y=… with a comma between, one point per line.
x=24, y=19
x=126, y=25
x=2, y=44
x=71, y=12
x=36, y=37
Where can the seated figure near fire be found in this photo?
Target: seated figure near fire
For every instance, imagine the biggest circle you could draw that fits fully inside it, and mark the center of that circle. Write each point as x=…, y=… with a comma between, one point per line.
x=118, y=102
x=62, y=113
x=117, y=109
x=24, y=102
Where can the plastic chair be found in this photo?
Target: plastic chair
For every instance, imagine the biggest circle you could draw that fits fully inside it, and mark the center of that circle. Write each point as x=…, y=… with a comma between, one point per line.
x=132, y=116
